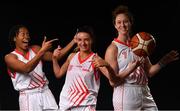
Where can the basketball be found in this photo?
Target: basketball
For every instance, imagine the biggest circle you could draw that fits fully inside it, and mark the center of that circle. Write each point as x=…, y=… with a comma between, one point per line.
x=143, y=44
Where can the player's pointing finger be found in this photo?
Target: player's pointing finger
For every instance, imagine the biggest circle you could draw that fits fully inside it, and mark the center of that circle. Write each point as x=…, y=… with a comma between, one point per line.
x=53, y=40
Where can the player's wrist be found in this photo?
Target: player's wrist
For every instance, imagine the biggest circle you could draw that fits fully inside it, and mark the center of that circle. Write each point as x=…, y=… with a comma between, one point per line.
x=107, y=64
x=161, y=64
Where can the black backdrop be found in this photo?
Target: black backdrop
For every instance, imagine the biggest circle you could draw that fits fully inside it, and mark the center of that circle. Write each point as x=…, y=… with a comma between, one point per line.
x=60, y=19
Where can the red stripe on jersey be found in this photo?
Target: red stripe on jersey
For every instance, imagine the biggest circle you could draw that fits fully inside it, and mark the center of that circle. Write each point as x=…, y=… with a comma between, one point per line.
x=96, y=74
x=127, y=44
x=34, y=84
x=74, y=92
x=39, y=77
x=35, y=79
x=25, y=56
x=13, y=75
x=82, y=93
x=81, y=61
x=78, y=91
x=86, y=92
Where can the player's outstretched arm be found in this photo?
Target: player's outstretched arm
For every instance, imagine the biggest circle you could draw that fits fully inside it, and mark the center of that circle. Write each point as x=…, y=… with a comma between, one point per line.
x=45, y=47
x=67, y=48
x=16, y=65
x=48, y=55
x=165, y=60
x=59, y=71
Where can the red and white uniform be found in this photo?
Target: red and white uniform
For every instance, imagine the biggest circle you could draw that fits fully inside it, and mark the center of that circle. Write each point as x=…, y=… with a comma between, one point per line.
x=33, y=87
x=81, y=85
x=134, y=94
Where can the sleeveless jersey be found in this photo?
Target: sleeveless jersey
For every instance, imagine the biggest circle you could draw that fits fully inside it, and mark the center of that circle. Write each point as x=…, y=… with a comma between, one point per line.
x=35, y=79
x=81, y=85
x=125, y=55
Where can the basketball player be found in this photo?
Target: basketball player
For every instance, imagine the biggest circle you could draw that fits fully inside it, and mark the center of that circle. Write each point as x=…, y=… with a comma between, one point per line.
x=133, y=93
x=25, y=68
x=82, y=78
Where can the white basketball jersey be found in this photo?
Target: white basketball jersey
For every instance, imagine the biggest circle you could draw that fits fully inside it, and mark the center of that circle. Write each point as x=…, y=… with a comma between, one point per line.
x=81, y=85
x=125, y=55
x=34, y=79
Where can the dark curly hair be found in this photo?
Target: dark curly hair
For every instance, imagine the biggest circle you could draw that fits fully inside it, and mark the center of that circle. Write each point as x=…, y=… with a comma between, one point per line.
x=14, y=32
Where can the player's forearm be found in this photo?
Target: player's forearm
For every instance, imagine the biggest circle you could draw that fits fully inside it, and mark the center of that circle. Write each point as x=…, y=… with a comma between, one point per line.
x=125, y=73
x=112, y=75
x=154, y=69
x=66, y=49
x=114, y=80
x=56, y=67
x=29, y=66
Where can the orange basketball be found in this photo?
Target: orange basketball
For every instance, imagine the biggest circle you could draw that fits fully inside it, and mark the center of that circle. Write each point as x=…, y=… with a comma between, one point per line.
x=143, y=44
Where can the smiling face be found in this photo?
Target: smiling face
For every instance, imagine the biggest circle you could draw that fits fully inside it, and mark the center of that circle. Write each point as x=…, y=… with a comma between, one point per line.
x=84, y=41
x=122, y=24
x=22, y=39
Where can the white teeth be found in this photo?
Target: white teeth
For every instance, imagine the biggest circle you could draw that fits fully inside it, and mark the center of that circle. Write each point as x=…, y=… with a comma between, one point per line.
x=25, y=42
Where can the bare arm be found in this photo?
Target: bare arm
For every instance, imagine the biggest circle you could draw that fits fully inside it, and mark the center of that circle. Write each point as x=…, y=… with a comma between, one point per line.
x=106, y=70
x=67, y=48
x=48, y=55
x=168, y=58
x=111, y=70
x=59, y=71
x=109, y=66
x=16, y=65
x=111, y=58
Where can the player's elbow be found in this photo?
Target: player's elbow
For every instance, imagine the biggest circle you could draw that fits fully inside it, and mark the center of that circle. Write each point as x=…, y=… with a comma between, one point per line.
x=23, y=70
x=116, y=82
x=58, y=74
x=26, y=70
x=150, y=75
x=112, y=83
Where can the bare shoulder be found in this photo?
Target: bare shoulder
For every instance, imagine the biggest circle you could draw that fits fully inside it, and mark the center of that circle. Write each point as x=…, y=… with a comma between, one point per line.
x=112, y=49
x=9, y=57
x=70, y=56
